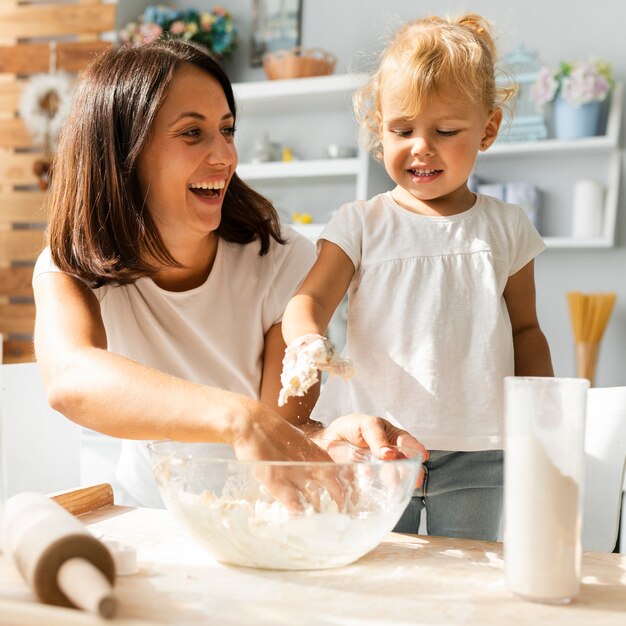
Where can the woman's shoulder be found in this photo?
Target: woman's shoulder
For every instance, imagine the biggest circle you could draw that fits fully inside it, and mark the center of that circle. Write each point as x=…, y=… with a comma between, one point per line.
x=295, y=249
x=44, y=263
x=274, y=276
x=293, y=239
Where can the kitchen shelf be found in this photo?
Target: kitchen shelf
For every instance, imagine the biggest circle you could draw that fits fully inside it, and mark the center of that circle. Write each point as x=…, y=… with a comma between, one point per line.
x=318, y=168
x=268, y=104
x=588, y=145
x=566, y=161
x=302, y=96
x=573, y=242
x=296, y=95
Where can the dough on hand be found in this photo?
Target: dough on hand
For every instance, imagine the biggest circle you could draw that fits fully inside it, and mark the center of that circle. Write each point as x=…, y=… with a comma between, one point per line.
x=304, y=358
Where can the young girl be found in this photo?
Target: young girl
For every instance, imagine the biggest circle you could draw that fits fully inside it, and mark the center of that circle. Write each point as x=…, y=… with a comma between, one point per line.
x=440, y=280
x=160, y=295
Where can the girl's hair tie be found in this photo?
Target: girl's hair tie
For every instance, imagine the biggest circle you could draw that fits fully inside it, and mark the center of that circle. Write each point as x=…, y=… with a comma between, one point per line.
x=473, y=24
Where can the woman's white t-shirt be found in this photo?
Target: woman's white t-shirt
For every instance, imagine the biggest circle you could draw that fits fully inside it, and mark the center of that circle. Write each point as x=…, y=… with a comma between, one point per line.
x=213, y=334
x=428, y=327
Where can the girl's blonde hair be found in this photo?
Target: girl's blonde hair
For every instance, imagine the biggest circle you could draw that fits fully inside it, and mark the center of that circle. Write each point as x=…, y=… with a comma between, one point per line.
x=434, y=55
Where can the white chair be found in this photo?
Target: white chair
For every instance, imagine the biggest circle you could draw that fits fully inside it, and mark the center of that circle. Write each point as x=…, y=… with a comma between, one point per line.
x=39, y=447
x=605, y=460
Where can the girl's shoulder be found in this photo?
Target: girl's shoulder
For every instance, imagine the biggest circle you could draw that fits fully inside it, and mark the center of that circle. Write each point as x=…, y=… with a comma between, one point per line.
x=492, y=203
x=512, y=229
x=363, y=209
x=500, y=211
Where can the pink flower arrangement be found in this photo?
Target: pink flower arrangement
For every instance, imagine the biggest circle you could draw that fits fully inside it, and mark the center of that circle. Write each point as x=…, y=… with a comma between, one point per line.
x=577, y=83
x=214, y=29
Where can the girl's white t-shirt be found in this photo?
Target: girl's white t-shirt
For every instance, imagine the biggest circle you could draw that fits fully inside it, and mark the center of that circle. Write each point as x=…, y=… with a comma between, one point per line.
x=428, y=328
x=213, y=334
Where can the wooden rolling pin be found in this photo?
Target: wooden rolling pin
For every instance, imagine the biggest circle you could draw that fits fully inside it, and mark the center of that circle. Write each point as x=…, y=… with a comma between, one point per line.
x=62, y=562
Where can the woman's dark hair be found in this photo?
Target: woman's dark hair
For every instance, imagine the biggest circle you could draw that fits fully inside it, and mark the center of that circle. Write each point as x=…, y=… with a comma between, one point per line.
x=100, y=227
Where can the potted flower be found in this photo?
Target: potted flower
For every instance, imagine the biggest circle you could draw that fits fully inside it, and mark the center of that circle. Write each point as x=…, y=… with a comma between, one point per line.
x=213, y=29
x=578, y=90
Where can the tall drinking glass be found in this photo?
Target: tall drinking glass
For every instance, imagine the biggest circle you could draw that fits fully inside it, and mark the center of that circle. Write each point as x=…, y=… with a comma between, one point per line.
x=543, y=479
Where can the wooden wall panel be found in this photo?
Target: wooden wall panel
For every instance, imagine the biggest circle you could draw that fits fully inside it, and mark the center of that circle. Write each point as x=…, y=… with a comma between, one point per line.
x=16, y=282
x=10, y=91
x=16, y=169
x=20, y=245
x=56, y=19
x=17, y=319
x=13, y=134
x=18, y=351
x=72, y=56
x=22, y=207
x=75, y=27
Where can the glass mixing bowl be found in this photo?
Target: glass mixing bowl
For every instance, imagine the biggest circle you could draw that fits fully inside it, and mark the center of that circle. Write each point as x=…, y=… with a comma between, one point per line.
x=284, y=515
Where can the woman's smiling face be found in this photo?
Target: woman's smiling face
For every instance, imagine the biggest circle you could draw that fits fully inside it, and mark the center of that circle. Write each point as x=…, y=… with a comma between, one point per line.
x=190, y=156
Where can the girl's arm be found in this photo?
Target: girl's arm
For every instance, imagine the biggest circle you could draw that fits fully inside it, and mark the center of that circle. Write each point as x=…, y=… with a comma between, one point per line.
x=312, y=308
x=298, y=409
x=532, y=353
x=120, y=397
x=310, y=311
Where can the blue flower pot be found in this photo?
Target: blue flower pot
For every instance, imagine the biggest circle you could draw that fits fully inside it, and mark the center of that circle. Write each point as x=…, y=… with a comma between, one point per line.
x=571, y=121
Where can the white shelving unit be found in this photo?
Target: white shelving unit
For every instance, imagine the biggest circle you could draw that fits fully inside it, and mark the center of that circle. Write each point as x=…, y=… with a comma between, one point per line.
x=298, y=97
x=295, y=98
x=604, y=148
x=313, y=168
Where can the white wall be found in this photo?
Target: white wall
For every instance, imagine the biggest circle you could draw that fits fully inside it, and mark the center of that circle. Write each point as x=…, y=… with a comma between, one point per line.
x=558, y=30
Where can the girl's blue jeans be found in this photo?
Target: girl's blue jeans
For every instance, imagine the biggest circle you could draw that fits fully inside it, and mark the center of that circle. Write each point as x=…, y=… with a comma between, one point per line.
x=462, y=494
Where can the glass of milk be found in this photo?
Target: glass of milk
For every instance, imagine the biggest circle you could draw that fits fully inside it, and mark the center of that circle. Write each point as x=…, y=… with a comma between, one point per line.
x=543, y=479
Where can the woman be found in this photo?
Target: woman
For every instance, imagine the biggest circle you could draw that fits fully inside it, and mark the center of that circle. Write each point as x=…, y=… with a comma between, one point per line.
x=160, y=296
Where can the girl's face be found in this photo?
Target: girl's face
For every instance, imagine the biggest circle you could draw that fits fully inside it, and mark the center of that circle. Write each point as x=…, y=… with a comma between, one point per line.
x=431, y=156
x=189, y=159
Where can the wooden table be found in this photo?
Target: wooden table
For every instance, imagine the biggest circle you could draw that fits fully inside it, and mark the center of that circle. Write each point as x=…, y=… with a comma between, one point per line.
x=406, y=580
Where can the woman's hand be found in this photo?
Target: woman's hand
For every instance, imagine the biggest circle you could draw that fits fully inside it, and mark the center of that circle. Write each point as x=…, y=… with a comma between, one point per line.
x=268, y=437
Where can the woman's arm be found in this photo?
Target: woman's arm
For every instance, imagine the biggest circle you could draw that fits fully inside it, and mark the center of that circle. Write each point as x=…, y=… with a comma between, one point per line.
x=311, y=309
x=532, y=353
x=120, y=397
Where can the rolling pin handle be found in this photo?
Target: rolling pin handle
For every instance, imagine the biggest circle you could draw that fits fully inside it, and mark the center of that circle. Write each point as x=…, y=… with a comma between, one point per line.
x=87, y=587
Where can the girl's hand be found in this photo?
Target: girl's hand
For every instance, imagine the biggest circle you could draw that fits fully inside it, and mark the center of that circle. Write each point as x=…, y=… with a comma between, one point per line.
x=369, y=431
x=304, y=357
x=375, y=433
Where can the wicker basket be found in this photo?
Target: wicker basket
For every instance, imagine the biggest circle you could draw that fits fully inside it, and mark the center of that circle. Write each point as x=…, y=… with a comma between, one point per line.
x=298, y=63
